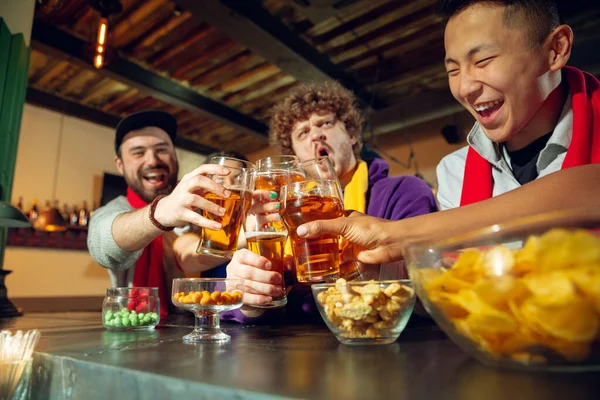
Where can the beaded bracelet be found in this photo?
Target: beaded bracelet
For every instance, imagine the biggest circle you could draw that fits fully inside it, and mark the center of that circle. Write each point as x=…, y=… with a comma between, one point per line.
x=151, y=215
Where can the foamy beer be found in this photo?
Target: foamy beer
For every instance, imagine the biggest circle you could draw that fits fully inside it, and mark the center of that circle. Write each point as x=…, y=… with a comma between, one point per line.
x=317, y=259
x=223, y=243
x=268, y=238
x=274, y=172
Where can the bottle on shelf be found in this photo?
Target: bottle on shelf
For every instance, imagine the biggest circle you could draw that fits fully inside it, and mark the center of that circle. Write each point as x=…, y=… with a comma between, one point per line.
x=74, y=216
x=33, y=213
x=84, y=215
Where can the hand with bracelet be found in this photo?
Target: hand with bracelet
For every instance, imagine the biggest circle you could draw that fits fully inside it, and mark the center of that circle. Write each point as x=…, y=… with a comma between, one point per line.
x=134, y=230
x=181, y=206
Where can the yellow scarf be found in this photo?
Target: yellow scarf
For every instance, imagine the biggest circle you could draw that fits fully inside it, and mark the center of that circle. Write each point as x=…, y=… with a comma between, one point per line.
x=355, y=193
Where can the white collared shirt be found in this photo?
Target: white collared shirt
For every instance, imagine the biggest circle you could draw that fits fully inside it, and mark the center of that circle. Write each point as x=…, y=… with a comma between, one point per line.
x=450, y=171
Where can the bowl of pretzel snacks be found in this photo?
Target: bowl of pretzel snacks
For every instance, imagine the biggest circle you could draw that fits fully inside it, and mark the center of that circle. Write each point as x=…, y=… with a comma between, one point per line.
x=525, y=294
x=364, y=313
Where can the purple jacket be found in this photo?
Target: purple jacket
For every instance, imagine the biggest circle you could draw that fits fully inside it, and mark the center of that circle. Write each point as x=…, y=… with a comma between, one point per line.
x=389, y=197
x=396, y=197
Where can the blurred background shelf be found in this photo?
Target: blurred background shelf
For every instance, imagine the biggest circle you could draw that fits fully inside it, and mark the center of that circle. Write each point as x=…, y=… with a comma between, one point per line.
x=74, y=238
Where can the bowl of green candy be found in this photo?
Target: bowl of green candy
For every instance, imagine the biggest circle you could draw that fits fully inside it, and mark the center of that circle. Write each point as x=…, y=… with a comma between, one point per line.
x=126, y=308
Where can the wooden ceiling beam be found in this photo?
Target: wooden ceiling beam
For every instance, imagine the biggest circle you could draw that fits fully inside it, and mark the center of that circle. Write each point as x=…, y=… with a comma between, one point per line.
x=246, y=79
x=121, y=99
x=104, y=93
x=401, y=24
x=78, y=86
x=210, y=54
x=423, y=35
x=132, y=26
x=74, y=109
x=360, y=20
x=63, y=46
x=164, y=30
x=228, y=69
x=250, y=24
x=261, y=88
x=189, y=41
x=389, y=69
x=52, y=74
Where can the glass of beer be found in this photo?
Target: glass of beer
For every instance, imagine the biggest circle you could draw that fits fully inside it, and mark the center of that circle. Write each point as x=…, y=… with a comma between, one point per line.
x=269, y=243
x=271, y=174
x=223, y=243
x=317, y=259
x=277, y=163
x=320, y=168
x=266, y=236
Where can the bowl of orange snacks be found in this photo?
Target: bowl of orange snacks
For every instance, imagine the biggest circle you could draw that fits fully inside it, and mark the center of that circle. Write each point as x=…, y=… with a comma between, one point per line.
x=206, y=298
x=525, y=294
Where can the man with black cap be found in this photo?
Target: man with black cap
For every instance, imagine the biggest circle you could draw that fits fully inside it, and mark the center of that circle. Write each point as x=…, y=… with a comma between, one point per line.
x=132, y=236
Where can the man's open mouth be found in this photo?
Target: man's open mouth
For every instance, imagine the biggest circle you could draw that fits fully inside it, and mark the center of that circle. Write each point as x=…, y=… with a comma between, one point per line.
x=322, y=152
x=487, y=109
x=156, y=178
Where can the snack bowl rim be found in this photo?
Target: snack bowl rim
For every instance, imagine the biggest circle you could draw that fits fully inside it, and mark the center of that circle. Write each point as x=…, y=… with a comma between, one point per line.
x=200, y=280
x=322, y=285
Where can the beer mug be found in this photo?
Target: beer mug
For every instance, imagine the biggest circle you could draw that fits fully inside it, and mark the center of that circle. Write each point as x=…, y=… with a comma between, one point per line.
x=223, y=243
x=320, y=168
x=316, y=259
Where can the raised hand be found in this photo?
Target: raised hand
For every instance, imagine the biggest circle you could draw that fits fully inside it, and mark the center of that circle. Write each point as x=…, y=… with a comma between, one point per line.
x=368, y=238
x=260, y=282
x=178, y=208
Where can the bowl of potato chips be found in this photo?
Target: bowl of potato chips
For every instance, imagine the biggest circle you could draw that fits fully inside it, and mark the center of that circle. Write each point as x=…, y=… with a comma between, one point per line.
x=525, y=294
x=365, y=312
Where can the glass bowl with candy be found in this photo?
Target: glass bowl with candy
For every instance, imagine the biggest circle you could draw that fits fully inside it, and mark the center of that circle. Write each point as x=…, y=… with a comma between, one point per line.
x=524, y=294
x=126, y=308
x=206, y=298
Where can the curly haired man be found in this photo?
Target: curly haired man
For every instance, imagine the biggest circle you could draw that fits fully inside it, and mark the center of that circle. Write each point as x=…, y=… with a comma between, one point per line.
x=323, y=119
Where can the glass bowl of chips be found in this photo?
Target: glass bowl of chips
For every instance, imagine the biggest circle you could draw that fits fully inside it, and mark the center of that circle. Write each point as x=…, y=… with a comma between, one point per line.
x=365, y=313
x=525, y=294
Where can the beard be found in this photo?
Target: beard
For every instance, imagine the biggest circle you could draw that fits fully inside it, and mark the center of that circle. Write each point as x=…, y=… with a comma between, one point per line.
x=135, y=181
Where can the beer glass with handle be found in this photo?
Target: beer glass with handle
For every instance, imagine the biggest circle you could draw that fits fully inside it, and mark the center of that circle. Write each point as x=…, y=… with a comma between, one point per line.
x=223, y=243
x=317, y=197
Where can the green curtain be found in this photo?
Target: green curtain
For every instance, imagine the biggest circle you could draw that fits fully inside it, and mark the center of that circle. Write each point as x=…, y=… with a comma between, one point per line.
x=14, y=67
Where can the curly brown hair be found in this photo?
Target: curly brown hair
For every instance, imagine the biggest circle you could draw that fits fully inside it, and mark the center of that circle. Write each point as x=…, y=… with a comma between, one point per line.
x=320, y=98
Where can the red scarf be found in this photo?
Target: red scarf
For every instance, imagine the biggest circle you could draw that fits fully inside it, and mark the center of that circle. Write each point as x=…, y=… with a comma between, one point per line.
x=149, y=270
x=585, y=142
